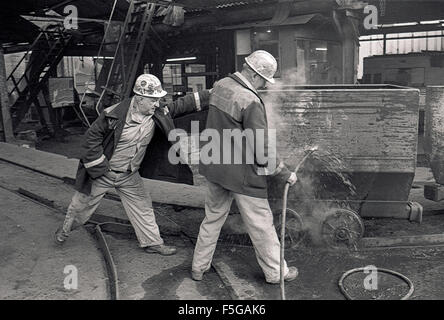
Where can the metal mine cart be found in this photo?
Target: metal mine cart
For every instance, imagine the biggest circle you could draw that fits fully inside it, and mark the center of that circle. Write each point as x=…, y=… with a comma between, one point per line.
x=366, y=137
x=434, y=141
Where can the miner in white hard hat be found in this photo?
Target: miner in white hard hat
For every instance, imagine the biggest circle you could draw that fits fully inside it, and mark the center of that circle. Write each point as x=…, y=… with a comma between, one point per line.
x=236, y=105
x=263, y=64
x=115, y=156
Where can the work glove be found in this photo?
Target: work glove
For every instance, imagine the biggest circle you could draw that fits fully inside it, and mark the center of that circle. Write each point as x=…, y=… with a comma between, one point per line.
x=292, y=179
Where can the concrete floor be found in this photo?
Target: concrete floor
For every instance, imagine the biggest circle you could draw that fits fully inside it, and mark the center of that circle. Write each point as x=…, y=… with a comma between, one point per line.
x=33, y=266
x=141, y=275
x=150, y=277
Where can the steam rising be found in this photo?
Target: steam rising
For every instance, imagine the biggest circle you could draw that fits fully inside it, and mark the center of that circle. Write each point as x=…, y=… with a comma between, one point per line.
x=323, y=183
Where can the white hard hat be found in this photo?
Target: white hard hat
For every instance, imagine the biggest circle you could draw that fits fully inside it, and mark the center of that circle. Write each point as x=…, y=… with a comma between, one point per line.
x=263, y=63
x=149, y=85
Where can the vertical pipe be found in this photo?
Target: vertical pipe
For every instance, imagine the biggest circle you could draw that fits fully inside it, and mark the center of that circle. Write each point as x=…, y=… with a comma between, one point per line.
x=385, y=44
x=74, y=78
x=442, y=40
x=5, y=117
x=349, y=54
x=427, y=41
x=184, y=77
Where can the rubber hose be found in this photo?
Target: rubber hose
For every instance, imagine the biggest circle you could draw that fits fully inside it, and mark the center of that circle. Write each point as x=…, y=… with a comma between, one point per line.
x=283, y=217
x=284, y=214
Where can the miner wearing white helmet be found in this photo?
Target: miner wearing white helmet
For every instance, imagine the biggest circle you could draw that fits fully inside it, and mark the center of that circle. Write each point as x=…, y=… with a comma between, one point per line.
x=262, y=63
x=116, y=156
x=236, y=105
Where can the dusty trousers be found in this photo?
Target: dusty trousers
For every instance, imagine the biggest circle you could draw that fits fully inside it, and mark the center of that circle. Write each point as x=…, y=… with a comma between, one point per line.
x=258, y=220
x=137, y=203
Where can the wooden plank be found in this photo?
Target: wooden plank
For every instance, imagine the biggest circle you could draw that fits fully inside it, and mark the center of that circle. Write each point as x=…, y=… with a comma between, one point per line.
x=423, y=240
x=61, y=167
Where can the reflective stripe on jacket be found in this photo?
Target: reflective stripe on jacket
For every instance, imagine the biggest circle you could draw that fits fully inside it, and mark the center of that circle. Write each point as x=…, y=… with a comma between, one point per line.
x=102, y=137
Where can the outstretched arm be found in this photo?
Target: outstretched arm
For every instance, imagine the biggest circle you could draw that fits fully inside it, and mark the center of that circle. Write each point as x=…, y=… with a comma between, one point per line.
x=190, y=103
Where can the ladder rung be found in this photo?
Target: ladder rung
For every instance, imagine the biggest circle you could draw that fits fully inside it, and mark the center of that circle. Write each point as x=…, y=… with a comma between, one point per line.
x=140, y=4
x=110, y=90
x=136, y=18
x=112, y=42
x=131, y=43
x=137, y=13
x=93, y=92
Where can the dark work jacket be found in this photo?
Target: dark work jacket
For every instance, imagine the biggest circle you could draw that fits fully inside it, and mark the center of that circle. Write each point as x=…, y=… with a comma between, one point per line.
x=102, y=137
x=236, y=105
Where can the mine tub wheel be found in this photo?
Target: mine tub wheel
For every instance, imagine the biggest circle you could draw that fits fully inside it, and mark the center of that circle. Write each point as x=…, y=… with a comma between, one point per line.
x=342, y=229
x=294, y=227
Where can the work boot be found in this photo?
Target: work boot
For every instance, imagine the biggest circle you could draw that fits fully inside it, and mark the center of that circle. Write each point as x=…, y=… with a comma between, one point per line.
x=60, y=236
x=161, y=249
x=290, y=276
x=197, y=275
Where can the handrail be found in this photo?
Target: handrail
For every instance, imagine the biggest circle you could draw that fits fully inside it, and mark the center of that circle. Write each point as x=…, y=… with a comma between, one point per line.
x=24, y=56
x=98, y=56
x=122, y=36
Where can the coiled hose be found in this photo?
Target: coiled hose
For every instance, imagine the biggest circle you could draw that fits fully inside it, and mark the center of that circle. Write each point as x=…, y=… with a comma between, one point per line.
x=397, y=274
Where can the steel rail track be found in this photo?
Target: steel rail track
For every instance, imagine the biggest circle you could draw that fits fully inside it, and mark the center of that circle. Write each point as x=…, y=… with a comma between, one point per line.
x=99, y=236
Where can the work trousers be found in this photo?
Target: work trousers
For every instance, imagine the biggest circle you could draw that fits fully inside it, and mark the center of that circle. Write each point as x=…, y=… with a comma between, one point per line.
x=258, y=220
x=136, y=202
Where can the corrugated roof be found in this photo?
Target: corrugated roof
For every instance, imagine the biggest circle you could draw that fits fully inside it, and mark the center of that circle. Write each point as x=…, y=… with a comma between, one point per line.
x=197, y=6
x=303, y=19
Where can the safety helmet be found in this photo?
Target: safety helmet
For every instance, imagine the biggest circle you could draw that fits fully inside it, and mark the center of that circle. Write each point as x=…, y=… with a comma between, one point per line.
x=263, y=63
x=149, y=85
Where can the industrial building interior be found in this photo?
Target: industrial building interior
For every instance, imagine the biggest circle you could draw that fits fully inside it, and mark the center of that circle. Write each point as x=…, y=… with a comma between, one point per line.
x=361, y=79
